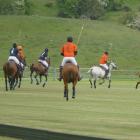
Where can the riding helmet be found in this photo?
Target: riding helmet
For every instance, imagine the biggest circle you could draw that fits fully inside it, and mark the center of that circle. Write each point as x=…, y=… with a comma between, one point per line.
x=14, y=45
x=106, y=52
x=69, y=39
x=46, y=49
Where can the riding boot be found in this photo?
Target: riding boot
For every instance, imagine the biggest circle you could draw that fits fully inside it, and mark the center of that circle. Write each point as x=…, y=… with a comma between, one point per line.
x=46, y=71
x=60, y=73
x=79, y=76
x=106, y=73
x=19, y=69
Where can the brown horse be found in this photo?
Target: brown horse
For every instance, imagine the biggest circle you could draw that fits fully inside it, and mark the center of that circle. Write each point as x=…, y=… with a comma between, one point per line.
x=70, y=75
x=10, y=74
x=39, y=70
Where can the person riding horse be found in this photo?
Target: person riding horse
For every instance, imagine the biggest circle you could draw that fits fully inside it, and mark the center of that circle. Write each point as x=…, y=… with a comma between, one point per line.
x=13, y=56
x=103, y=63
x=42, y=59
x=69, y=51
x=21, y=54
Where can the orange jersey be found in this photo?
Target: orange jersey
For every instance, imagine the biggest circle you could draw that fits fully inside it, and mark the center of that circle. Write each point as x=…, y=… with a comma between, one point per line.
x=21, y=52
x=69, y=49
x=104, y=59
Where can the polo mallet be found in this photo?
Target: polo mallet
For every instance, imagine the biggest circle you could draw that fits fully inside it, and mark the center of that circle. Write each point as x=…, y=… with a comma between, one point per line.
x=79, y=36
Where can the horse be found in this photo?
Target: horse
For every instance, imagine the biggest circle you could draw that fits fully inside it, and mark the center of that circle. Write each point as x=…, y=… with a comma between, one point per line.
x=70, y=75
x=10, y=74
x=96, y=72
x=38, y=69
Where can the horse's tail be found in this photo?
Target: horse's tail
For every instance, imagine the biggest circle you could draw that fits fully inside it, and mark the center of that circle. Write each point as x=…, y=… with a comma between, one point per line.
x=89, y=71
x=6, y=66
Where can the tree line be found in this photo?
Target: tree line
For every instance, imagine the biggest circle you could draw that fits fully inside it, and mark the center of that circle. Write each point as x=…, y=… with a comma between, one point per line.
x=92, y=9
x=15, y=7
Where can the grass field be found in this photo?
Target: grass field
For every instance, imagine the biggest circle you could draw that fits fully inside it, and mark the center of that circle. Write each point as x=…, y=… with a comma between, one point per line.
x=37, y=33
x=33, y=112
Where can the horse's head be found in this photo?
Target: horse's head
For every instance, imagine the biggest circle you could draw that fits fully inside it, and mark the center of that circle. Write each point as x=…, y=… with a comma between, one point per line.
x=112, y=65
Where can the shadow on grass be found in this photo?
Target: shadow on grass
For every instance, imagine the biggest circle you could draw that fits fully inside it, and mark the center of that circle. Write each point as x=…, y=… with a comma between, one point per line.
x=36, y=134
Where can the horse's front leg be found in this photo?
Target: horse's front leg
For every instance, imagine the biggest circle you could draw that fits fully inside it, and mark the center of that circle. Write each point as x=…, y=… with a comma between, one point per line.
x=31, y=77
x=19, y=82
x=40, y=77
x=37, y=83
x=95, y=83
x=109, y=85
x=15, y=83
x=137, y=84
x=90, y=80
x=45, y=81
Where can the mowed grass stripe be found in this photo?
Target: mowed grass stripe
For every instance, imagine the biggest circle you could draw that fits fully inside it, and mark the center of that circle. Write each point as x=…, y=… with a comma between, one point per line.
x=111, y=113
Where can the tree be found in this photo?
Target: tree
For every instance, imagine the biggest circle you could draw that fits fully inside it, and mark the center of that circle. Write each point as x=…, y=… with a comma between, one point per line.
x=19, y=7
x=77, y=8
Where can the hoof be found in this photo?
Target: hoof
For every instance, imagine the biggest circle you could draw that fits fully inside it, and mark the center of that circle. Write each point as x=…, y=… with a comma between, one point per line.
x=73, y=97
x=43, y=85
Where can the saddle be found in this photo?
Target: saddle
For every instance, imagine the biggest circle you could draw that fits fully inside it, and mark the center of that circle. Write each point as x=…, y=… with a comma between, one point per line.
x=45, y=68
x=106, y=71
x=19, y=68
x=103, y=68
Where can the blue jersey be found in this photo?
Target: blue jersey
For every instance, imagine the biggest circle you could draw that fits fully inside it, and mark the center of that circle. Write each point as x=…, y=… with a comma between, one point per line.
x=14, y=52
x=43, y=56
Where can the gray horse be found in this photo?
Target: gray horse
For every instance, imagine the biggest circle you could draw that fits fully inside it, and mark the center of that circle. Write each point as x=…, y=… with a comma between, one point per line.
x=96, y=72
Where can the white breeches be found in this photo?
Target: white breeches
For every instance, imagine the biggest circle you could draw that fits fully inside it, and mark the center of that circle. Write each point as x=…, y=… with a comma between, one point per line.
x=44, y=63
x=15, y=60
x=66, y=59
x=105, y=66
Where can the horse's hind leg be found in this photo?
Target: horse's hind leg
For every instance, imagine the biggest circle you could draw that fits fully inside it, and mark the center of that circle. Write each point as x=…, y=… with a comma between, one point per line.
x=137, y=84
x=73, y=92
x=6, y=83
x=94, y=83
x=66, y=91
x=73, y=88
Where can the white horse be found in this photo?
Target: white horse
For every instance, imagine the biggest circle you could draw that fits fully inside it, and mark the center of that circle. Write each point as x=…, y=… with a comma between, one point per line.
x=96, y=72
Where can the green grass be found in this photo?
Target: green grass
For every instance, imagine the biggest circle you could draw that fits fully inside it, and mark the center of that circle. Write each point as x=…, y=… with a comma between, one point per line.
x=38, y=32
x=106, y=113
x=39, y=8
